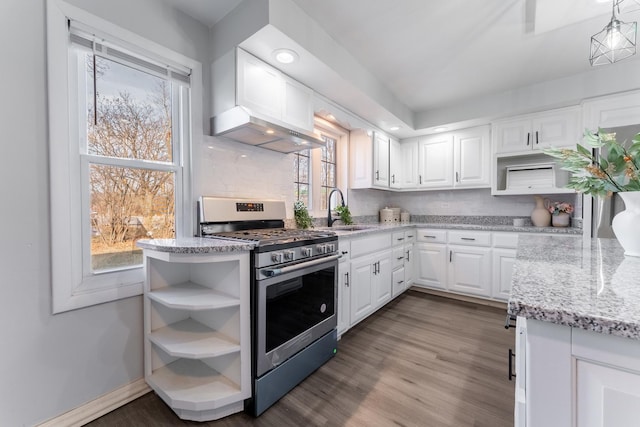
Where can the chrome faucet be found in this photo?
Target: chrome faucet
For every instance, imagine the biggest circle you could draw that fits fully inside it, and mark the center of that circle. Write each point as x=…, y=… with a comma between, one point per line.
x=330, y=220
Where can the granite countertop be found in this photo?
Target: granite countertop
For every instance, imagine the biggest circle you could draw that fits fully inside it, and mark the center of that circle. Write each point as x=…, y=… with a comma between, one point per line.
x=361, y=229
x=586, y=284
x=194, y=245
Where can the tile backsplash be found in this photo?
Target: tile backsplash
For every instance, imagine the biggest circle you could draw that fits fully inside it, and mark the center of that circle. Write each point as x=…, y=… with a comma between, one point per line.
x=226, y=168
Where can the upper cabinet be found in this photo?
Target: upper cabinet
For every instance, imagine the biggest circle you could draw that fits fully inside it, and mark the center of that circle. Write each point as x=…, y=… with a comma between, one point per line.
x=435, y=161
x=369, y=159
x=520, y=165
x=458, y=159
x=557, y=128
x=472, y=157
x=396, y=159
x=241, y=79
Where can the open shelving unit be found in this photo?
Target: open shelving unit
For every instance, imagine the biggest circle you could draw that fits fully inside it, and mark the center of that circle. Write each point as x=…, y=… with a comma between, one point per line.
x=197, y=342
x=503, y=161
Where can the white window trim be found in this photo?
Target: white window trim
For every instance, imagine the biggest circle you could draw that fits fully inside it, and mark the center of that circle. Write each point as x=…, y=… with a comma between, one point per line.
x=70, y=290
x=342, y=137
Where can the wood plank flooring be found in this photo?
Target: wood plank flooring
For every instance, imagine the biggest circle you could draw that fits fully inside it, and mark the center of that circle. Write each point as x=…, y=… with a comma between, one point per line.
x=421, y=360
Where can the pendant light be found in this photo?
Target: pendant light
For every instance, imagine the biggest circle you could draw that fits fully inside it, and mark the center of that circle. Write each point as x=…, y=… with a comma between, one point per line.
x=615, y=42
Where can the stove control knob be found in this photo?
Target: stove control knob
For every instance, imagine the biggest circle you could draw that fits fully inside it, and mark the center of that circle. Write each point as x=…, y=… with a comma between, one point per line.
x=322, y=249
x=331, y=247
x=289, y=255
x=306, y=252
x=276, y=257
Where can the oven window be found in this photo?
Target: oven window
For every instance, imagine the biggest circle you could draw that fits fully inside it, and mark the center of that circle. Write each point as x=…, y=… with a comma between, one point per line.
x=296, y=305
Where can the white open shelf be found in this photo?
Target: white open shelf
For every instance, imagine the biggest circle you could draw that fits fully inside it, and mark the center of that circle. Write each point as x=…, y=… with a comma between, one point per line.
x=192, y=339
x=191, y=296
x=193, y=385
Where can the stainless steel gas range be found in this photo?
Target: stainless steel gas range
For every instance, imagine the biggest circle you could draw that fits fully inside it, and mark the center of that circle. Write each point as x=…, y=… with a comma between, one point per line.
x=293, y=292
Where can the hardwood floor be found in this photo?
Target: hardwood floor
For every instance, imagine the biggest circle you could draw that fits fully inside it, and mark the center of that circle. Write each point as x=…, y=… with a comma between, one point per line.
x=422, y=360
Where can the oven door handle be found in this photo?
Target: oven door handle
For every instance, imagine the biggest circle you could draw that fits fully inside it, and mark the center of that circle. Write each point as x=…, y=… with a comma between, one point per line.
x=272, y=272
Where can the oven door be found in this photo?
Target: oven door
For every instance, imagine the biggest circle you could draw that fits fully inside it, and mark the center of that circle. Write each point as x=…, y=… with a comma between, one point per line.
x=294, y=308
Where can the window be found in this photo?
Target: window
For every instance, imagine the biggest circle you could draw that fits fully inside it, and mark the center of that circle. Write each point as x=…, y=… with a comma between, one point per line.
x=316, y=172
x=118, y=156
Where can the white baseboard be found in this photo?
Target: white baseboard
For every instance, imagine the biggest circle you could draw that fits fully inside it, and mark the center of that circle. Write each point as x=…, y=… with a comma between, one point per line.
x=96, y=408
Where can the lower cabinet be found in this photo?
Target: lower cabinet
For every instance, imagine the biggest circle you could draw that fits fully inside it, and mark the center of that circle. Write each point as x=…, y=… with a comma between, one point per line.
x=431, y=265
x=344, y=297
x=370, y=284
x=574, y=377
x=470, y=270
x=503, y=261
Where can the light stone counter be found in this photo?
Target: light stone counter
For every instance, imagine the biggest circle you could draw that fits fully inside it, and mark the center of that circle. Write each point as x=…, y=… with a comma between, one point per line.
x=579, y=283
x=194, y=245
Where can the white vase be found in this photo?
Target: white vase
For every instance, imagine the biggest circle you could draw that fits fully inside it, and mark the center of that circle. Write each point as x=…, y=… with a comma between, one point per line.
x=626, y=224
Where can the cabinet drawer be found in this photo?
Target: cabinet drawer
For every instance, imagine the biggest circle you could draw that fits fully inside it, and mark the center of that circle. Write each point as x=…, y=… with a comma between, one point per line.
x=432, y=236
x=398, y=238
x=470, y=238
x=369, y=244
x=398, y=257
x=410, y=236
x=505, y=240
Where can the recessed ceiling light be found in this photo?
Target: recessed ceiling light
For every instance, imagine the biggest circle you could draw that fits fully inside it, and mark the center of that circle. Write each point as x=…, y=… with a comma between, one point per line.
x=270, y=131
x=440, y=129
x=285, y=56
x=394, y=128
x=331, y=116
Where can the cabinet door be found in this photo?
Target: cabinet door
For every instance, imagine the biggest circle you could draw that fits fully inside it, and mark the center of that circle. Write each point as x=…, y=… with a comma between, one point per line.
x=362, y=293
x=556, y=129
x=431, y=265
x=503, y=260
x=297, y=108
x=409, y=164
x=260, y=87
x=344, y=297
x=382, y=279
x=408, y=266
x=360, y=159
x=436, y=162
x=606, y=396
x=470, y=270
x=398, y=285
x=395, y=164
x=381, y=161
x=512, y=135
x=472, y=154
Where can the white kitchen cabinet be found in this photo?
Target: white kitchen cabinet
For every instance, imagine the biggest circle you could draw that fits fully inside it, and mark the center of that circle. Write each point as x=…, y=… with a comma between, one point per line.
x=606, y=396
x=408, y=265
x=344, y=286
x=504, y=257
x=398, y=284
x=431, y=265
x=197, y=333
x=396, y=167
x=241, y=79
x=368, y=160
x=472, y=157
x=470, y=270
x=557, y=128
x=381, y=279
x=503, y=261
x=435, y=164
x=402, y=275
x=575, y=377
x=410, y=164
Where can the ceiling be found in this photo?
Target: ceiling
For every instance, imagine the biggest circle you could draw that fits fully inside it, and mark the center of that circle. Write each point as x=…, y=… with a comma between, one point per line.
x=432, y=54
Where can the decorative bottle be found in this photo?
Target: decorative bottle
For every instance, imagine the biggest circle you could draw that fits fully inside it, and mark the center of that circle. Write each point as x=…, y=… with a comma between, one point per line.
x=540, y=216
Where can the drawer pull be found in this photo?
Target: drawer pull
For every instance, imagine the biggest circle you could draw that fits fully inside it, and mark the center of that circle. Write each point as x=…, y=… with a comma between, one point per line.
x=467, y=238
x=400, y=239
x=430, y=237
x=400, y=257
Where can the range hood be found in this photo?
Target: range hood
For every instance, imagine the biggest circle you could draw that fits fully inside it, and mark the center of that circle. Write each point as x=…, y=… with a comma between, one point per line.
x=239, y=124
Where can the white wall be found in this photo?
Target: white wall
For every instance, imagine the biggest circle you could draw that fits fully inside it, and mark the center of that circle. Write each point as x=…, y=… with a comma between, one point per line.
x=52, y=364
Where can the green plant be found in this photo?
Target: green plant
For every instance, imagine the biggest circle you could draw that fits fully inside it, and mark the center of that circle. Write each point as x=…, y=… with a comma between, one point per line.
x=617, y=171
x=345, y=214
x=301, y=215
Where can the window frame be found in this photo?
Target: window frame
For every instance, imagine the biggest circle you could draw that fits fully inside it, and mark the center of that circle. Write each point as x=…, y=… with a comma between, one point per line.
x=72, y=286
x=341, y=136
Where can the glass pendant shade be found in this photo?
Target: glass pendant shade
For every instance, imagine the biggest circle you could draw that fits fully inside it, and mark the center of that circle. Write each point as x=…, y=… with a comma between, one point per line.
x=615, y=42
